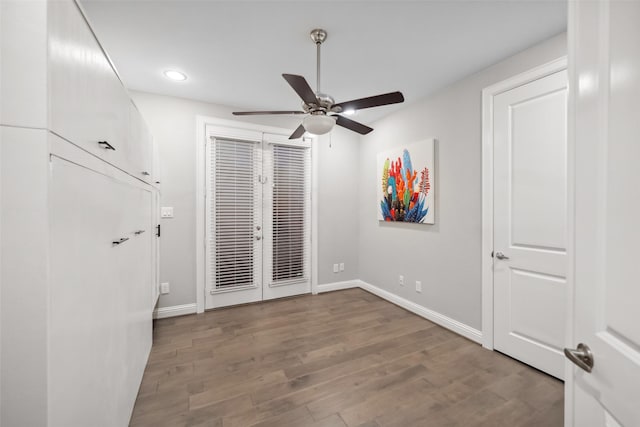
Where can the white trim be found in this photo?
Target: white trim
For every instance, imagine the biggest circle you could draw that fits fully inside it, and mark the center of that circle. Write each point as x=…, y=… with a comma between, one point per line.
x=438, y=318
x=488, y=95
x=173, y=311
x=338, y=286
x=201, y=125
x=202, y=122
x=572, y=72
x=435, y=317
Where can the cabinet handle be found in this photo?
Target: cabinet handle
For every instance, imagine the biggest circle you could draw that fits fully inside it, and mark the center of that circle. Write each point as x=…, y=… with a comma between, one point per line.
x=145, y=173
x=121, y=241
x=139, y=232
x=106, y=145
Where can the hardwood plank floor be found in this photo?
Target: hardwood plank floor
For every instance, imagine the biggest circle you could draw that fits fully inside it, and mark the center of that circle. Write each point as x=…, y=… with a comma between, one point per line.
x=339, y=359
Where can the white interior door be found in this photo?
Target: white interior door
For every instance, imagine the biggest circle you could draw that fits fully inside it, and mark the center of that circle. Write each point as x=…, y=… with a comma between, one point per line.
x=530, y=222
x=258, y=219
x=606, y=108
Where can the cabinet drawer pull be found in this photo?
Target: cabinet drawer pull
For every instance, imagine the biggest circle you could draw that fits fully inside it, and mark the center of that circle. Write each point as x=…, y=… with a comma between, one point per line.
x=106, y=145
x=139, y=232
x=145, y=173
x=121, y=241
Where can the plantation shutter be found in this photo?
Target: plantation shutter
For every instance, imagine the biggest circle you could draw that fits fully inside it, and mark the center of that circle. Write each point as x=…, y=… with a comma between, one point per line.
x=288, y=203
x=234, y=204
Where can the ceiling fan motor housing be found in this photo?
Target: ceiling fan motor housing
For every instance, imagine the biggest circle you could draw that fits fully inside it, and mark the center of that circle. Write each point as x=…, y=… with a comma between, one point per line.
x=324, y=105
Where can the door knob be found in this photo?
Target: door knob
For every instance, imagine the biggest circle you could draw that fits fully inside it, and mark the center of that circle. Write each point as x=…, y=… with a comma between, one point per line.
x=500, y=255
x=581, y=356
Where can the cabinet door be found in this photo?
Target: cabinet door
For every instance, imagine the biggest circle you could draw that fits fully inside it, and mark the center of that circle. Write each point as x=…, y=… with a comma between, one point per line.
x=135, y=268
x=86, y=323
x=155, y=255
x=100, y=319
x=88, y=104
x=139, y=146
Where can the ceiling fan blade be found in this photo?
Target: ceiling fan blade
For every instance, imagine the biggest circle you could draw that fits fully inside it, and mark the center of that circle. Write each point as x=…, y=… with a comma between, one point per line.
x=372, y=101
x=353, y=125
x=256, y=113
x=302, y=88
x=298, y=132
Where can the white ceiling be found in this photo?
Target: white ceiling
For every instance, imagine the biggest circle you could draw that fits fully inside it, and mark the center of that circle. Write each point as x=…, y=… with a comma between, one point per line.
x=234, y=52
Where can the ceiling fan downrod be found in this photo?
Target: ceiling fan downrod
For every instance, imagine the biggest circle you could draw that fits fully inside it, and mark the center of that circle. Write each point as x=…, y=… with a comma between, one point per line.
x=318, y=36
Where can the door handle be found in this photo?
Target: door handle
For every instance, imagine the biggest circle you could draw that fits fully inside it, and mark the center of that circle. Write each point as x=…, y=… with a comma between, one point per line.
x=500, y=255
x=106, y=145
x=581, y=356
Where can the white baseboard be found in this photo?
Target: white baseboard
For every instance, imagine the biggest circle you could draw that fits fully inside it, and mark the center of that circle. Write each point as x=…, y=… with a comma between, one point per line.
x=442, y=320
x=173, y=311
x=337, y=286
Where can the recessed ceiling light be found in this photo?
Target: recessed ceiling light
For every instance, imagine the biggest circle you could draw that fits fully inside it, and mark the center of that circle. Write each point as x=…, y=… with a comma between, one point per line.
x=350, y=112
x=176, y=76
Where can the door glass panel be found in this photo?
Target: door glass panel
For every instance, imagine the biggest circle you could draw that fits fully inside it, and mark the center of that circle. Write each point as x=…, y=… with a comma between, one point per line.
x=234, y=213
x=290, y=214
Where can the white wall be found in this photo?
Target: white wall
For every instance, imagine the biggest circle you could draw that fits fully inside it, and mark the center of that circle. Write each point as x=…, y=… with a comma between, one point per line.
x=445, y=256
x=173, y=124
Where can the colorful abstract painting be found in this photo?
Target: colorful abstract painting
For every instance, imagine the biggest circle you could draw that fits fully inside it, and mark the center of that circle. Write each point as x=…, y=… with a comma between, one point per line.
x=405, y=184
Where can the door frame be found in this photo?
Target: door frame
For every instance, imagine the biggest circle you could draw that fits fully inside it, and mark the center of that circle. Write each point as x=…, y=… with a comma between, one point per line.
x=203, y=126
x=488, y=95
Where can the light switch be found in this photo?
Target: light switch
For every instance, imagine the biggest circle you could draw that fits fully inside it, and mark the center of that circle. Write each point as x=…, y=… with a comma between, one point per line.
x=166, y=212
x=164, y=288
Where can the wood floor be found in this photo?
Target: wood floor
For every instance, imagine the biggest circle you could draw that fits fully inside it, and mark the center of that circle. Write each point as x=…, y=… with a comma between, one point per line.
x=344, y=358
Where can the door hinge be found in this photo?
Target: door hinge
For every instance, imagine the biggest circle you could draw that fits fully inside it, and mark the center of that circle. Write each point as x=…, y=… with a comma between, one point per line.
x=158, y=230
x=491, y=254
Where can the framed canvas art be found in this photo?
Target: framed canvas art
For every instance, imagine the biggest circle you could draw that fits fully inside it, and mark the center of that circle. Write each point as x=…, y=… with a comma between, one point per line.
x=405, y=183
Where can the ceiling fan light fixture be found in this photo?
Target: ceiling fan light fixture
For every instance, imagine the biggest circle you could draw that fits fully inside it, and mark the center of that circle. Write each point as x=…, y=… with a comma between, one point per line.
x=318, y=124
x=349, y=112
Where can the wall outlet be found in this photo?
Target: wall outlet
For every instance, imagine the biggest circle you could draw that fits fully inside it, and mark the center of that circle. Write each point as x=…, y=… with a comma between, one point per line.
x=401, y=280
x=335, y=268
x=342, y=266
x=418, y=286
x=166, y=212
x=164, y=288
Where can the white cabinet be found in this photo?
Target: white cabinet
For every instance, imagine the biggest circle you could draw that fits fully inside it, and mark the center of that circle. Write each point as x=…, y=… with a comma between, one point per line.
x=100, y=316
x=75, y=307
x=88, y=104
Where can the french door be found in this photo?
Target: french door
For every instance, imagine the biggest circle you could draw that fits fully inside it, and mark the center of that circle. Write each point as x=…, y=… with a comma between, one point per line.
x=258, y=204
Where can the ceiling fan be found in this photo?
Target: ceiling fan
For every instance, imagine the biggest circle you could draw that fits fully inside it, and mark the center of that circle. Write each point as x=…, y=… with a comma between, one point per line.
x=321, y=110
